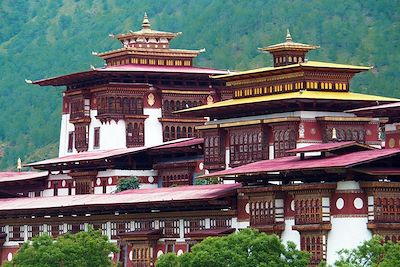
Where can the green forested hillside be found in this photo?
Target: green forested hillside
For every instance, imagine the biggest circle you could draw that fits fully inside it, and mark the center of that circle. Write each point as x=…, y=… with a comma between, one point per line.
x=43, y=38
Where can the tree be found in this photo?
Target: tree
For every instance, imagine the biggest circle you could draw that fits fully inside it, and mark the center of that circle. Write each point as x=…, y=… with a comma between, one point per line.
x=372, y=253
x=84, y=249
x=128, y=183
x=246, y=248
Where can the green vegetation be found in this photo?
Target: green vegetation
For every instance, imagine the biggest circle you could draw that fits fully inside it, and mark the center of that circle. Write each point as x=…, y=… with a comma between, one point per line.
x=245, y=248
x=128, y=183
x=86, y=249
x=42, y=38
x=372, y=253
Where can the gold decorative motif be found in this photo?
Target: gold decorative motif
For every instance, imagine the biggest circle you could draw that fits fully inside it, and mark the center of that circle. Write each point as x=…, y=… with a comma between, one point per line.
x=210, y=100
x=150, y=99
x=392, y=142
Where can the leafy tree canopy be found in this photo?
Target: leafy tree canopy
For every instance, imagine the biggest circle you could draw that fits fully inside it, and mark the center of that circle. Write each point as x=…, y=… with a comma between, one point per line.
x=128, y=183
x=85, y=249
x=372, y=253
x=247, y=248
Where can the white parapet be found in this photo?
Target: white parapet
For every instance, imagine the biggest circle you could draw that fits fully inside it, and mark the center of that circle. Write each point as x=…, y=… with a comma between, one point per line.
x=289, y=234
x=346, y=233
x=153, y=132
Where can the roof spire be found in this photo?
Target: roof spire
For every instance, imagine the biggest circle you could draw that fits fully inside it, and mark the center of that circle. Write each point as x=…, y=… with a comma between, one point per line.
x=146, y=22
x=288, y=36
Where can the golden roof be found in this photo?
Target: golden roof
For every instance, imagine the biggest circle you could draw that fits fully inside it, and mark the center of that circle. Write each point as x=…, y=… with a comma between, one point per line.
x=305, y=94
x=308, y=64
x=146, y=32
x=288, y=45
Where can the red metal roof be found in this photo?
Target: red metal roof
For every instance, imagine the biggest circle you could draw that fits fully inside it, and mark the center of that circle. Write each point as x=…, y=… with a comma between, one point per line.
x=192, y=142
x=295, y=163
x=329, y=147
x=103, y=154
x=20, y=176
x=130, y=197
x=131, y=68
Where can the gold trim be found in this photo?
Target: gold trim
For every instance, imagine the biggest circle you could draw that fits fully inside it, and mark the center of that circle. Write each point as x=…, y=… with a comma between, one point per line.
x=181, y=120
x=205, y=127
x=332, y=118
x=184, y=92
x=266, y=79
x=240, y=123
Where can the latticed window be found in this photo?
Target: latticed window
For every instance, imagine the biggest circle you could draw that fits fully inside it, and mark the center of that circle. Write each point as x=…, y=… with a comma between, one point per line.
x=100, y=226
x=213, y=149
x=314, y=244
x=83, y=186
x=142, y=255
x=119, y=227
x=262, y=212
x=16, y=232
x=170, y=228
x=308, y=211
x=35, y=230
x=246, y=145
x=119, y=105
x=217, y=223
x=81, y=136
x=143, y=225
x=284, y=140
x=173, y=131
x=387, y=209
x=135, y=134
x=194, y=225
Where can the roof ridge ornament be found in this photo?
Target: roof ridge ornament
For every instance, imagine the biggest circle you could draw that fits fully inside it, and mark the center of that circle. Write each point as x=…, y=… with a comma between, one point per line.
x=146, y=22
x=288, y=36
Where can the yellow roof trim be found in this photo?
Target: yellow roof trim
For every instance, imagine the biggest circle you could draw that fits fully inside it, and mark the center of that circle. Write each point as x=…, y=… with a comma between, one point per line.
x=355, y=119
x=311, y=64
x=239, y=123
x=321, y=95
x=207, y=126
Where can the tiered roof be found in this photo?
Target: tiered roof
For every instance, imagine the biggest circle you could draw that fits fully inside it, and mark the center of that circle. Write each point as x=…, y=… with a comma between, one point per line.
x=148, y=42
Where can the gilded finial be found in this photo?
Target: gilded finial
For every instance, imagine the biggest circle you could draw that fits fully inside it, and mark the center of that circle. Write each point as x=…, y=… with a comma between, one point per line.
x=288, y=36
x=146, y=22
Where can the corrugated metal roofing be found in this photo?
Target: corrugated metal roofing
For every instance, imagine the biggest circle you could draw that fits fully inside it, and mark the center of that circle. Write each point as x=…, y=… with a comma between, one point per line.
x=20, y=176
x=329, y=147
x=129, y=197
x=296, y=164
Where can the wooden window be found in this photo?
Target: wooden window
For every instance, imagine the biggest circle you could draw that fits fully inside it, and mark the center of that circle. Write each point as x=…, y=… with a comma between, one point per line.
x=187, y=63
x=142, y=255
x=81, y=136
x=135, y=134
x=96, y=137
x=386, y=209
x=143, y=61
x=170, y=228
x=308, y=211
x=152, y=61
x=70, y=188
x=143, y=225
x=170, y=62
x=284, y=140
x=218, y=223
x=193, y=225
x=161, y=62
x=246, y=145
x=16, y=232
x=169, y=247
x=83, y=186
x=55, y=188
x=314, y=244
x=213, y=149
x=262, y=212
x=70, y=141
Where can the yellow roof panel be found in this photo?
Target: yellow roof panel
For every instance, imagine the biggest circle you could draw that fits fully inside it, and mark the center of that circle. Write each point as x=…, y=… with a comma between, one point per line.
x=322, y=95
x=311, y=64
